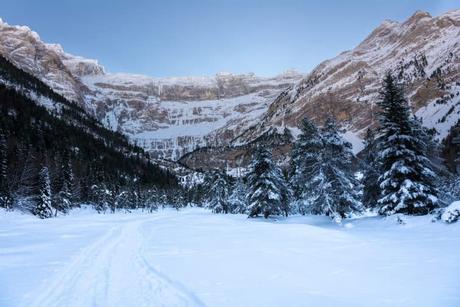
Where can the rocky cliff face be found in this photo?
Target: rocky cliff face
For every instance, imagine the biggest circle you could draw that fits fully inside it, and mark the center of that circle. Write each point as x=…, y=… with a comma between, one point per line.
x=168, y=116
x=423, y=52
x=191, y=116
x=173, y=116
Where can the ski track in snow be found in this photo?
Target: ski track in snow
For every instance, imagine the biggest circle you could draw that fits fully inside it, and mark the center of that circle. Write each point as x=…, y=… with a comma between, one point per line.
x=113, y=272
x=196, y=258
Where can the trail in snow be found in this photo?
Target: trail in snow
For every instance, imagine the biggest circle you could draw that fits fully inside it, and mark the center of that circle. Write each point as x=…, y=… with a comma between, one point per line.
x=196, y=258
x=113, y=272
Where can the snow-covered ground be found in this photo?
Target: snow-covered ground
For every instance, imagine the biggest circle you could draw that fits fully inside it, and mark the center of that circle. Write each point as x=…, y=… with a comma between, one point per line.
x=196, y=258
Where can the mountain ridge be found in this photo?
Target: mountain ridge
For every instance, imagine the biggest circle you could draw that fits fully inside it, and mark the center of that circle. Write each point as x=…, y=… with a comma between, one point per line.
x=173, y=117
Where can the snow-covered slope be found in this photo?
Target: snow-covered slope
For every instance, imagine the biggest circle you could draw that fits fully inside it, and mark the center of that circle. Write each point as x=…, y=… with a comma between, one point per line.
x=24, y=48
x=424, y=52
x=173, y=116
x=168, y=116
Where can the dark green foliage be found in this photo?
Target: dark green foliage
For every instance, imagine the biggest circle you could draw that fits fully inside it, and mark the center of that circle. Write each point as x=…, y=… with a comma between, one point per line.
x=6, y=200
x=43, y=204
x=85, y=159
x=218, y=192
x=268, y=193
x=305, y=159
x=371, y=171
x=322, y=175
x=237, y=198
x=407, y=178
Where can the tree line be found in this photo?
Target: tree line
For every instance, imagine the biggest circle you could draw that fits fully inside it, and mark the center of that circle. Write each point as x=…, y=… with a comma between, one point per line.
x=56, y=157
x=397, y=170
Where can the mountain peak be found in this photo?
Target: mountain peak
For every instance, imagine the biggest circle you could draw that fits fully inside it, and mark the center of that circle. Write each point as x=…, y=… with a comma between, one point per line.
x=417, y=16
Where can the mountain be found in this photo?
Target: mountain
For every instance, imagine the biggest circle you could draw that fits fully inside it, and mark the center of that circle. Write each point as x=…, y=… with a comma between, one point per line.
x=423, y=52
x=173, y=116
x=167, y=116
x=41, y=131
x=207, y=122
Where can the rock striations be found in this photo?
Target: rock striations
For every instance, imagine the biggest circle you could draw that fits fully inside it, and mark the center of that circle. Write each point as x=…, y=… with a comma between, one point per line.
x=190, y=117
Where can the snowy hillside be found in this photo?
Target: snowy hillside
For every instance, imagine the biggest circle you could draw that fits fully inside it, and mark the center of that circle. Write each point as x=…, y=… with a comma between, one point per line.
x=168, y=116
x=173, y=116
x=424, y=52
x=195, y=258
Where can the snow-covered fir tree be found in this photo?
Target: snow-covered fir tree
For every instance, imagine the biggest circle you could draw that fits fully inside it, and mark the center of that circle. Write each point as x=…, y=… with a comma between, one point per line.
x=305, y=163
x=335, y=184
x=43, y=205
x=268, y=193
x=28, y=181
x=237, y=200
x=407, y=177
x=218, y=192
x=371, y=189
x=6, y=201
x=63, y=199
x=152, y=200
x=100, y=197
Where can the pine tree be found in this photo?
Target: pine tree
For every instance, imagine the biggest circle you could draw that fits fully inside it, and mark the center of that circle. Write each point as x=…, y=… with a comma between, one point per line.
x=268, y=193
x=100, y=197
x=28, y=181
x=133, y=197
x=407, y=177
x=371, y=189
x=152, y=200
x=237, y=199
x=305, y=163
x=218, y=192
x=43, y=205
x=338, y=197
x=6, y=200
x=63, y=201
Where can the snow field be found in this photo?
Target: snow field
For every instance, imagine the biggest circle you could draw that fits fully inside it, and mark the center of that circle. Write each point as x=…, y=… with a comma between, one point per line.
x=196, y=258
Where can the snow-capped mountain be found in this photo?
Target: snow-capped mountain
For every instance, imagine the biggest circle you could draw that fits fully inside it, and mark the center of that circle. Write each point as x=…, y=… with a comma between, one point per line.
x=174, y=116
x=424, y=52
x=167, y=116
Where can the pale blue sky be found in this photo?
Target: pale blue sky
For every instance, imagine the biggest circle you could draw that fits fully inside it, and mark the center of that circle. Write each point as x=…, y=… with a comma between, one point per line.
x=180, y=37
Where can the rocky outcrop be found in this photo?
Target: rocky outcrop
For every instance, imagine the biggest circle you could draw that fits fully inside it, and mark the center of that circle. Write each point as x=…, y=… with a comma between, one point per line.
x=189, y=117
x=168, y=116
x=423, y=52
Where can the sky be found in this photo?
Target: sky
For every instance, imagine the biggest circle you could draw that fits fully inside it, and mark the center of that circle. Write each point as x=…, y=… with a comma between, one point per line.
x=204, y=37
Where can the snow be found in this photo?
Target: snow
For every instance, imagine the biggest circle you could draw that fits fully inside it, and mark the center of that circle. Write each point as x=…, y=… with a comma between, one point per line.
x=441, y=116
x=452, y=213
x=212, y=115
x=355, y=140
x=196, y=258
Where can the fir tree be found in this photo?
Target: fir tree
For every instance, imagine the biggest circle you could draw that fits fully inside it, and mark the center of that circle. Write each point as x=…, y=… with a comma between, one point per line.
x=218, y=192
x=407, y=178
x=152, y=200
x=338, y=197
x=6, y=200
x=63, y=201
x=305, y=162
x=371, y=189
x=237, y=200
x=100, y=197
x=43, y=205
x=322, y=175
x=28, y=182
x=268, y=193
